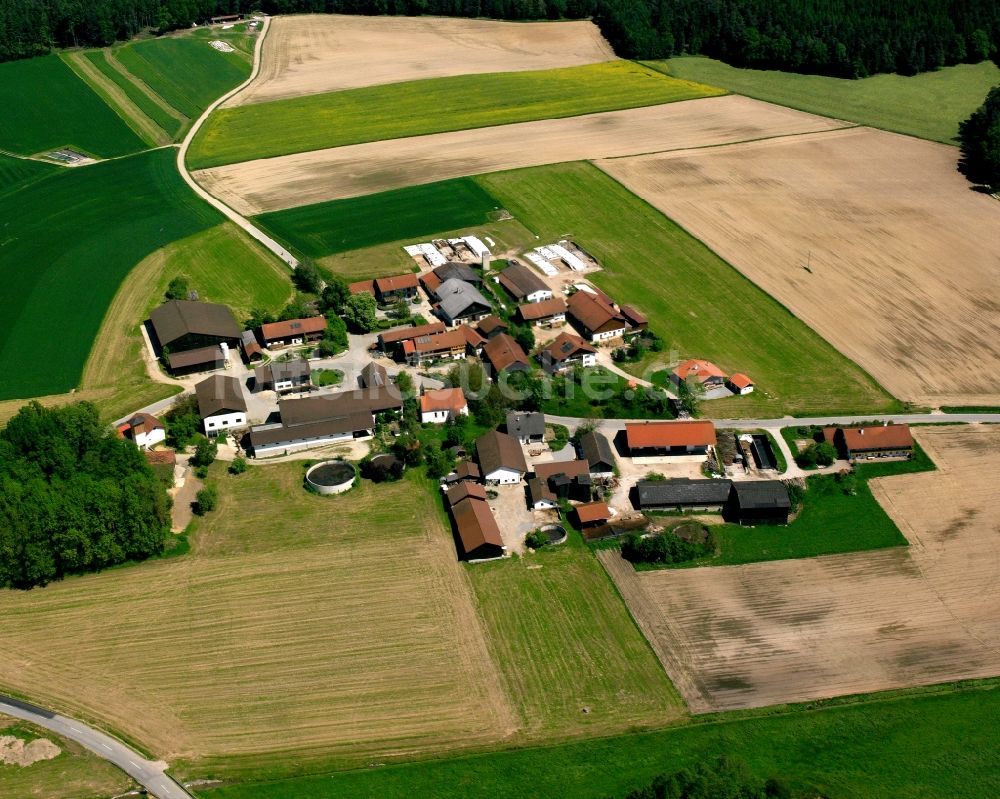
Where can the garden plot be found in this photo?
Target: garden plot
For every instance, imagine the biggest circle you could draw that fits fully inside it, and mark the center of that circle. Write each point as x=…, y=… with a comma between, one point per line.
x=798, y=630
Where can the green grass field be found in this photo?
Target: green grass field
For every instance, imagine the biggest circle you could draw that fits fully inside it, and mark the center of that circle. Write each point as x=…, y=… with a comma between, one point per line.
x=47, y=106
x=565, y=641
x=18, y=172
x=170, y=124
x=413, y=108
x=938, y=742
x=690, y=294
x=68, y=242
x=184, y=70
x=929, y=105
x=339, y=226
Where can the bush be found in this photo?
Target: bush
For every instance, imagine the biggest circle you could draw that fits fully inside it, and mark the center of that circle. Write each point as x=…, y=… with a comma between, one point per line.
x=307, y=278
x=182, y=422
x=560, y=437
x=439, y=461
x=536, y=539
x=206, y=500
x=359, y=313
x=382, y=469
x=825, y=454
x=665, y=548
x=204, y=453
x=177, y=289
x=795, y=494
x=979, y=137
x=238, y=466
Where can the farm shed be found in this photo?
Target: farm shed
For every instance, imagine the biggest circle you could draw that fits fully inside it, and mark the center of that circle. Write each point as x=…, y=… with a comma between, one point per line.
x=373, y=375
x=202, y=359
x=282, y=375
x=647, y=439
x=186, y=325
x=465, y=490
x=755, y=502
x=278, y=438
x=595, y=449
x=740, y=384
x=592, y=514
x=397, y=287
x=250, y=347
x=292, y=331
x=524, y=285
x=501, y=459
x=528, y=428
x=492, y=325
x=540, y=496
x=459, y=301
x=682, y=494
x=503, y=354
x=477, y=530
x=874, y=443
x=595, y=317
x=327, y=406
x=636, y=320
x=466, y=470
x=565, y=352
x=221, y=404
x=546, y=312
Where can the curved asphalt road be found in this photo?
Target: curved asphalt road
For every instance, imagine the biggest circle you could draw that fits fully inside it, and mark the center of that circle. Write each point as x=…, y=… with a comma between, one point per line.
x=229, y=213
x=148, y=774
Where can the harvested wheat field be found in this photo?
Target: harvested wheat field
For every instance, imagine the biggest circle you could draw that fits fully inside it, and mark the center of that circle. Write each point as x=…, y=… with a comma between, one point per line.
x=872, y=238
x=791, y=631
x=313, y=53
x=341, y=628
x=272, y=184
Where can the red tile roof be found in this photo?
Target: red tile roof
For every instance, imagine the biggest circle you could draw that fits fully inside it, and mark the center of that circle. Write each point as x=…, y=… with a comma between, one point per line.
x=465, y=489
x=443, y=399
x=403, y=333
x=740, y=380
x=593, y=312
x=396, y=283
x=472, y=338
x=362, y=287
x=893, y=436
x=566, y=345
x=437, y=342
x=503, y=352
x=568, y=468
x=694, y=433
x=532, y=311
x=632, y=316
x=490, y=323
x=593, y=512
x=293, y=327
x=698, y=369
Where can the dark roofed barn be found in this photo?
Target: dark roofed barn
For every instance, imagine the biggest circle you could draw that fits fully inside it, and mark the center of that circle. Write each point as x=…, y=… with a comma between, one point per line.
x=753, y=502
x=595, y=449
x=185, y=325
x=682, y=494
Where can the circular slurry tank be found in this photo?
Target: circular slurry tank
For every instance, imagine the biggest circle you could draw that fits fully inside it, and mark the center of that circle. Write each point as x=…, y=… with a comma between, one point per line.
x=331, y=477
x=556, y=533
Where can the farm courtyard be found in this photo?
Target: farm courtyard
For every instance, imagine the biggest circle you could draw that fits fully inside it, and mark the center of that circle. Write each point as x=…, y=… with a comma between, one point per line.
x=797, y=630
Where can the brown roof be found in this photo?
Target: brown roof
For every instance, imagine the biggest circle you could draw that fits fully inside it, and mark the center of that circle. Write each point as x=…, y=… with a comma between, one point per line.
x=178, y=318
x=464, y=490
x=468, y=470
x=740, y=380
x=352, y=422
x=443, y=399
x=503, y=352
x=698, y=369
x=396, y=282
x=139, y=423
x=569, y=468
x=497, y=450
x=362, y=287
x=532, y=311
x=693, y=433
x=439, y=342
x=521, y=281
x=472, y=338
x=219, y=393
x=592, y=312
x=593, y=512
x=893, y=436
x=632, y=316
x=475, y=524
x=566, y=345
x=430, y=281
x=250, y=344
x=403, y=333
x=490, y=323
x=292, y=327
x=198, y=357
x=374, y=374
x=343, y=403
x=538, y=490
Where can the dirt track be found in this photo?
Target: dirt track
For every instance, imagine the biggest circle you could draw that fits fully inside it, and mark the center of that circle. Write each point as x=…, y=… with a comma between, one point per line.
x=789, y=631
x=902, y=258
x=309, y=54
x=305, y=178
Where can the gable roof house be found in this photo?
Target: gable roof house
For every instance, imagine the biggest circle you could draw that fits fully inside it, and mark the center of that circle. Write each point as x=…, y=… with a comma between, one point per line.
x=221, y=404
x=594, y=317
x=503, y=354
x=704, y=372
x=397, y=287
x=450, y=344
x=440, y=405
x=753, y=502
x=636, y=320
x=524, y=285
x=492, y=325
x=528, y=428
x=143, y=429
x=566, y=351
x=562, y=480
x=541, y=314
x=592, y=514
x=501, y=459
x=250, y=347
x=390, y=340
x=595, y=449
x=876, y=442
x=740, y=384
x=282, y=375
x=653, y=439
x=292, y=332
x=184, y=325
x=476, y=529
x=459, y=301
x=311, y=422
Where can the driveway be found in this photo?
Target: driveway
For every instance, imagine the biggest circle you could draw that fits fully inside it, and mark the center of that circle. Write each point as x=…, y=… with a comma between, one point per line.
x=510, y=509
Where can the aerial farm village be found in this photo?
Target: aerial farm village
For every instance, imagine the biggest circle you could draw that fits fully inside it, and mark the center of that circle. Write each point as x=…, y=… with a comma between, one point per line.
x=446, y=407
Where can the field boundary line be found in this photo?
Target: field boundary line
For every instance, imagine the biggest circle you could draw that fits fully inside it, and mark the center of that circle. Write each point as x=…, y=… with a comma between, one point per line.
x=117, y=100
x=143, y=87
x=229, y=213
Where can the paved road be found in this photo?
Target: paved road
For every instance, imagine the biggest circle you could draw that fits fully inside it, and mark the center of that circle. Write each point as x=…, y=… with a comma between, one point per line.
x=148, y=774
x=239, y=220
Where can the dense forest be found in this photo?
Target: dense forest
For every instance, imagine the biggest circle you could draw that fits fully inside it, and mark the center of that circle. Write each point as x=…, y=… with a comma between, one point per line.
x=73, y=497
x=848, y=38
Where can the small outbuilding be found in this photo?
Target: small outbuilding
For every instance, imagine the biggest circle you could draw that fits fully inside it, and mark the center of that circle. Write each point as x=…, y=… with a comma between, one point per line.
x=592, y=514
x=753, y=502
x=595, y=449
x=740, y=384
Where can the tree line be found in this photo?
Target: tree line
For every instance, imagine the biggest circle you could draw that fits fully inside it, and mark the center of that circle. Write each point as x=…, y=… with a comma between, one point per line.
x=74, y=497
x=846, y=38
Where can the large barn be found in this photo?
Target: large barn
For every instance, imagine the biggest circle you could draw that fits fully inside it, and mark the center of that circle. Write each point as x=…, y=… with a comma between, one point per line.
x=184, y=325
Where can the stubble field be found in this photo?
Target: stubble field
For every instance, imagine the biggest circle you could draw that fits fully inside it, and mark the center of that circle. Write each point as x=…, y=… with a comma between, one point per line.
x=342, y=629
x=271, y=184
x=790, y=631
x=873, y=239
x=314, y=53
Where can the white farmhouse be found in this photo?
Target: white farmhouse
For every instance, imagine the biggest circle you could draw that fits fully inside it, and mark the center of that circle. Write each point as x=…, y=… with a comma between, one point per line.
x=221, y=404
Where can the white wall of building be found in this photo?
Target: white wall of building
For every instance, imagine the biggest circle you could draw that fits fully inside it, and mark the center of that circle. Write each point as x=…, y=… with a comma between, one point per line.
x=224, y=421
x=503, y=477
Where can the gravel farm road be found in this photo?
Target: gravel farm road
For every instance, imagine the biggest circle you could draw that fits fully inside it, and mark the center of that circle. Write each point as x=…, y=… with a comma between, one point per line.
x=150, y=775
